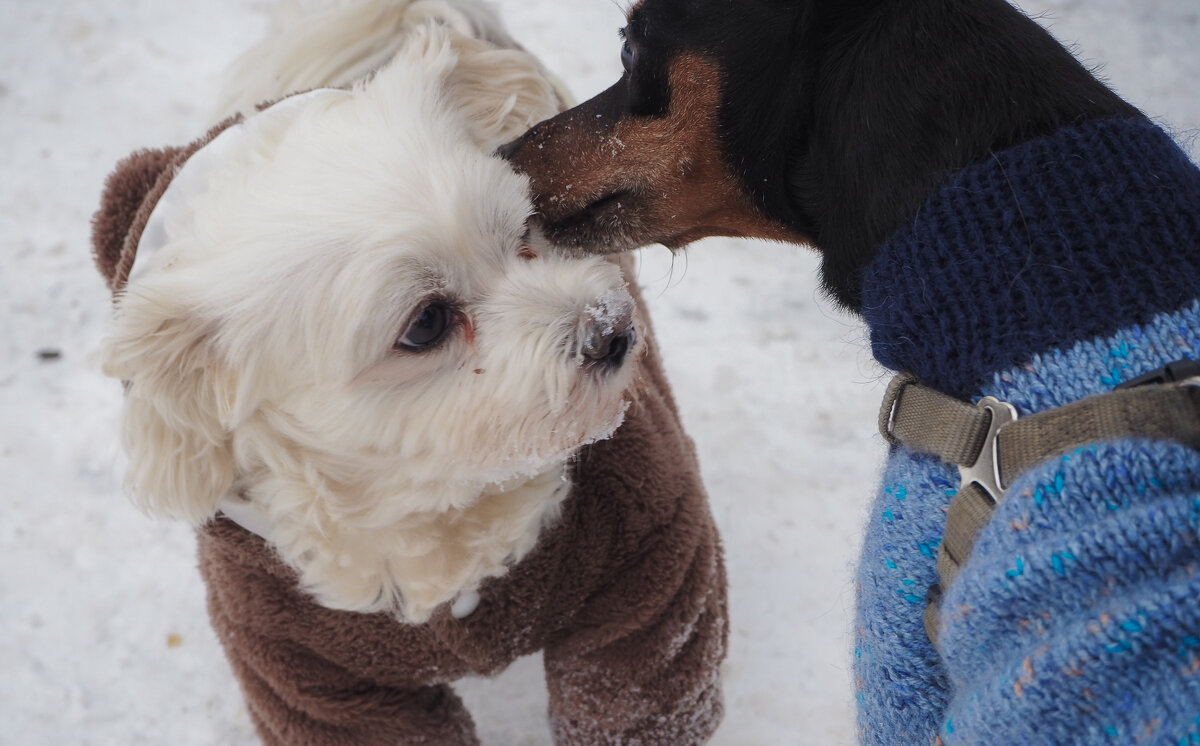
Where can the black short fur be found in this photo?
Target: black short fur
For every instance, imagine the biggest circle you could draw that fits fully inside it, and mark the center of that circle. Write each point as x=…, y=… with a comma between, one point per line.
x=840, y=117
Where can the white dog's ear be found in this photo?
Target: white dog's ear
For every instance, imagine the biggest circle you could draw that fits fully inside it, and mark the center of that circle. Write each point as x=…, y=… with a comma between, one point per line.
x=503, y=92
x=179, y=403
x=503, y=89
x=176, y=394
x=500, y=91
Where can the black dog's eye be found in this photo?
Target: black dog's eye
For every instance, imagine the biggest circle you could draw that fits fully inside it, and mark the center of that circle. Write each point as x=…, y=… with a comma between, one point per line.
x=428, y=328
x=628, y=53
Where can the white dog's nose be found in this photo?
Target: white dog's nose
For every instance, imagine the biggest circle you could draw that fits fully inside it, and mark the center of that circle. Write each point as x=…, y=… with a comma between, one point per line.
x=610, y=349
x=610, y=332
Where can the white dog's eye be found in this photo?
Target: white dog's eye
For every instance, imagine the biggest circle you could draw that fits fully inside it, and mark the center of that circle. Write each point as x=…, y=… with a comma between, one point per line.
x=429, y=327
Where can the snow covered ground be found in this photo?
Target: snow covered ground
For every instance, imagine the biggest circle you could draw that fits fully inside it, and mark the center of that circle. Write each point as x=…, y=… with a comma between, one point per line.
x=103, y=634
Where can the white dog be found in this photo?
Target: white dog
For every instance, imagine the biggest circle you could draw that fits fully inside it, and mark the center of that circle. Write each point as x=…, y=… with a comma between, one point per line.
x=348, y=363
x=346, y=336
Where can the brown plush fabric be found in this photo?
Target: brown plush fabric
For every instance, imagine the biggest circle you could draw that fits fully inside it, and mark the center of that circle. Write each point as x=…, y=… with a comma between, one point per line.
x=129, y=196
x=625, y=593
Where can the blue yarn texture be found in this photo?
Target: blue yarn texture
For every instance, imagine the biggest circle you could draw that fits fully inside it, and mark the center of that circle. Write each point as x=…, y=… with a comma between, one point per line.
x=1053, y=271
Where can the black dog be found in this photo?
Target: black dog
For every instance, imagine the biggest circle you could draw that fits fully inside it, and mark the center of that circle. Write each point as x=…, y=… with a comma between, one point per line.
x=1007, y=227
x=826, y=122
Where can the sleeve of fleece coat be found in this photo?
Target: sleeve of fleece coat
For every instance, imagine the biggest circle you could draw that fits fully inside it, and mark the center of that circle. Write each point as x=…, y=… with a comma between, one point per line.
x=639, y=665
x=306, y=678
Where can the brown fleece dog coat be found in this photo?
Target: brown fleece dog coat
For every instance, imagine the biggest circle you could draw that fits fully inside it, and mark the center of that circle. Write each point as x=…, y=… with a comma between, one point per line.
x=625, y=593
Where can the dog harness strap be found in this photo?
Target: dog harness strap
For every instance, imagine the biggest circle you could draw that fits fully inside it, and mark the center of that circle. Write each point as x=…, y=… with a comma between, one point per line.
x=932, y=422
x=992, y=446
x=1167, y=412
x=969, y=511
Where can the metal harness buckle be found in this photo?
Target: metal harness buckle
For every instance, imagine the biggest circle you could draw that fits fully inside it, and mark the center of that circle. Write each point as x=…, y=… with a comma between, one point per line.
x=985, y=472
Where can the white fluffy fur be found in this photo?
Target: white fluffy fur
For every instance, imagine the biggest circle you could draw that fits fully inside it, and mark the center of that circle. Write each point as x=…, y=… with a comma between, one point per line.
x=258, y=342
x=335, y=43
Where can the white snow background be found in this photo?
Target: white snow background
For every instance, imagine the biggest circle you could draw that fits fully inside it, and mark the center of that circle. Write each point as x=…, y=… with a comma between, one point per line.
x=103, y=632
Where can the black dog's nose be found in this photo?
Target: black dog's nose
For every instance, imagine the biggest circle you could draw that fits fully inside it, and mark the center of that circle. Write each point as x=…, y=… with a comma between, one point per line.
x=509, y=149
x=611, y=346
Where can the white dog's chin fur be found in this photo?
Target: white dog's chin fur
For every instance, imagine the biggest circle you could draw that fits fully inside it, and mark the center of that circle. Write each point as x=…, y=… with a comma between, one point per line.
x=260, y=341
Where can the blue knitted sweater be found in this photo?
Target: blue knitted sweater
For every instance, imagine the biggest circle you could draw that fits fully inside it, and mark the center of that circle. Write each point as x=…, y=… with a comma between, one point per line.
x=1052, y=271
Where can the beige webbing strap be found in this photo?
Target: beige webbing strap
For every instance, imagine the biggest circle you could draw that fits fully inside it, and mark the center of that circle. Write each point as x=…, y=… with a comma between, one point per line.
x=969, y=511
x=991, y=446
x=929, y=421
x=1154, y=412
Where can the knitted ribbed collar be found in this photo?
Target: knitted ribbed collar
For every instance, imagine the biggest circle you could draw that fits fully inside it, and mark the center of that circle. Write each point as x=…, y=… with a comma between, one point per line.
x=1057, y=240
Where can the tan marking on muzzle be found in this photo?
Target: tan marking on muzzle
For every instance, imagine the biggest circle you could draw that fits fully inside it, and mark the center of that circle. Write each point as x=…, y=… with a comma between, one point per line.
x=673, y=183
